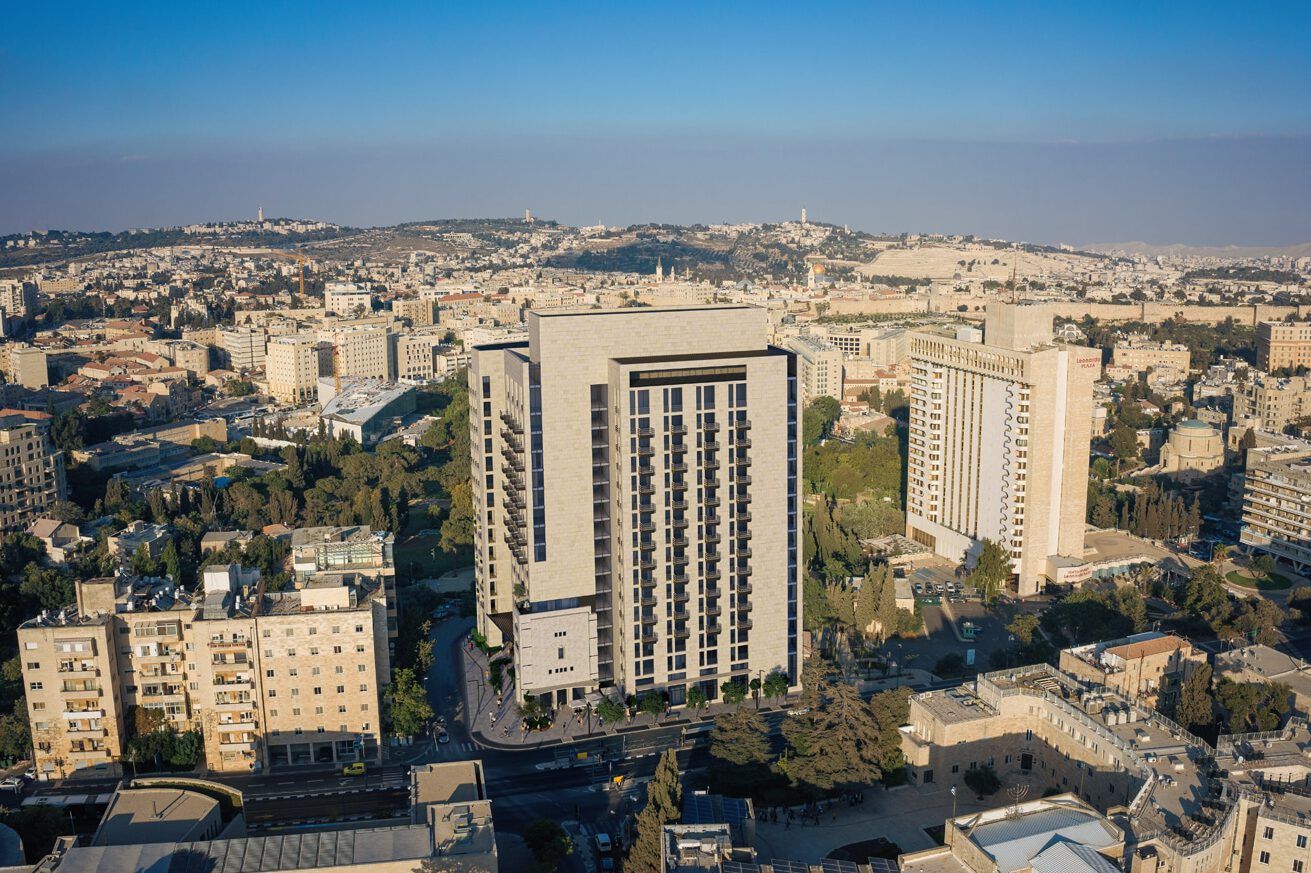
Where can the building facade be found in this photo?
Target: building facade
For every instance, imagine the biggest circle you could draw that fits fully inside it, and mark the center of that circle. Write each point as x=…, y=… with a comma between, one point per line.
x=293, y=367
x=270, y=679
x=635, y=482
x=1276, y=497
x=365, y=352
x=242, y=348
x=999, y=442
x=819, y=367
x=1281, y=344
x=31, y=470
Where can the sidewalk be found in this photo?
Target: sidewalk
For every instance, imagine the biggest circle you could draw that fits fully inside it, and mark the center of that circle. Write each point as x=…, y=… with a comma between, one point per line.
x=495, y=724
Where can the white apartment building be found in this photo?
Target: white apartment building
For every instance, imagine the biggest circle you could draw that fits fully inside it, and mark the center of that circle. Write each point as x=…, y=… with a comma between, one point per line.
x=819, y=368
x=635, y=479
x=293, y=366
x=31, y=470
x=999, y=442
x=347, y=299
x=242, y=347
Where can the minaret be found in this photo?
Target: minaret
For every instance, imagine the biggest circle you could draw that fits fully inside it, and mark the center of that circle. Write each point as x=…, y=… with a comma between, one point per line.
x=803, y=215
x=261, y=215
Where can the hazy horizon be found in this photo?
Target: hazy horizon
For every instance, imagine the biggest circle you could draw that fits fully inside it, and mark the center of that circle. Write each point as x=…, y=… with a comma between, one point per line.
x=1079, y=125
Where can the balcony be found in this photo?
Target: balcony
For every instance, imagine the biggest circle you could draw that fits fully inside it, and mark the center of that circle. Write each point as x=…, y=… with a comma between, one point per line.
x=679, y=542
x=646, y=489
x=713, y=610
x=85, y=669
x=742, y=533
x=744, y=480
x=239, y=643
x=713, y=627
x=647, y=600
x=678, y=504
x=84, y=731
x=647, y=638
x=646, y=564
x=233, y=705
x=743, y=424
x=680, y=614
x=510, y=423
x=84, y=713
x=678, y=485
x=80, y=689
x=744, y=553
x=681, y=632
x=710, y=426
x=645, y=451
x=678, y=429
x=678, y=467
x=237, y=745
x=680, y=579
x=646, y=432
x=744, y=624
x=743, y=442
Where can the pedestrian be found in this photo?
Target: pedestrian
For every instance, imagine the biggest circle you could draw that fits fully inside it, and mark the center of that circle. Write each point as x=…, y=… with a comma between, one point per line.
x=788, y=825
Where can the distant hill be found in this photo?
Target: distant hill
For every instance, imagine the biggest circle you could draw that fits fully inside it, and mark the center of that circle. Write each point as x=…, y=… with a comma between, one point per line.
x=1182, y=251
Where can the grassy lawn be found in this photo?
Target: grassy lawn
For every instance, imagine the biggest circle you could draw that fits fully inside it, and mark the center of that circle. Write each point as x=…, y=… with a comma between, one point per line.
x=1273, y=582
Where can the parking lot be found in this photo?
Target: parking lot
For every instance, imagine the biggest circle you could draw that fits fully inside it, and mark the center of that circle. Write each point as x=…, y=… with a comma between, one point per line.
x=940, y=640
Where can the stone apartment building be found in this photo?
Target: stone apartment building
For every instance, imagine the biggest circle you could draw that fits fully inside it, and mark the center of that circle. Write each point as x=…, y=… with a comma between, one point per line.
x=999, y=442
x=1149, y=666
x=1281, y=344
x=270, y=679
x=1272, y=402
x=635, y=480
x=31, y=469
x=347, y=554
x=293, y=365
x=1182, y=805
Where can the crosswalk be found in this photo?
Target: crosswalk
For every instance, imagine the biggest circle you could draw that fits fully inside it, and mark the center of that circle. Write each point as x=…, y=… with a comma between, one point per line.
x=454, y=750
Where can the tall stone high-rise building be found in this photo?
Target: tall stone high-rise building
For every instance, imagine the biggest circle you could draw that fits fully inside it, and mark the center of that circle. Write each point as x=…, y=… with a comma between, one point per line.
x=635, y=478
x=999, y=442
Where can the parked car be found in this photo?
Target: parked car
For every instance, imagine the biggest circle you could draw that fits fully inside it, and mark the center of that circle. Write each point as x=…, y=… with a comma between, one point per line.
x=11, y=783
x=603, y=844
x=443, y=736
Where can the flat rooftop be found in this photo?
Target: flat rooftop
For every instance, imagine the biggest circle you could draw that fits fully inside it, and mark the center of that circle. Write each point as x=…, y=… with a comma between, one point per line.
x=153, y=815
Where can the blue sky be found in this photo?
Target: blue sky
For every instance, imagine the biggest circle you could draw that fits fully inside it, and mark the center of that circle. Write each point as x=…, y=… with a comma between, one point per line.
x=1047, y=121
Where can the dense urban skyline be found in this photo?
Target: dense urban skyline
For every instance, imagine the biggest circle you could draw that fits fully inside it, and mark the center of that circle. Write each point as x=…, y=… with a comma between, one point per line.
x=1159, y=127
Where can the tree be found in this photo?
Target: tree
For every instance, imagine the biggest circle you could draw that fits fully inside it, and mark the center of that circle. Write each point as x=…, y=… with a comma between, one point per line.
x=613, y=711
x=1123, y=443
x=739, y=745
x=653, y=704
x=1024, y=626
x=992, y=568
x=1196, y=708
x=664, y=800
x=982, y=780
x=407, y=703
x=818, y=419
x=890, y=709
x=776, y=685
x=459, y=526
x=1253, y=706
x=836, y=744
x=733, y=691
x=696, y=697
x=549, y=843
